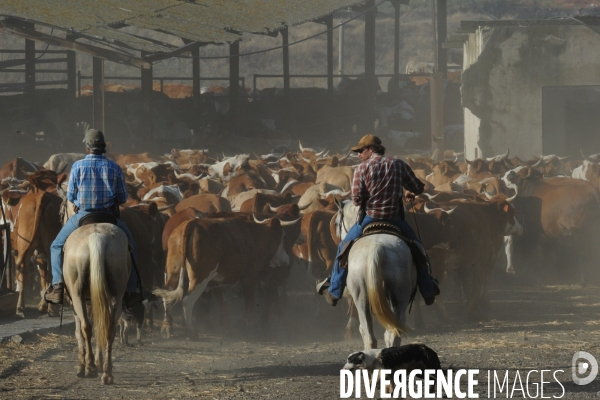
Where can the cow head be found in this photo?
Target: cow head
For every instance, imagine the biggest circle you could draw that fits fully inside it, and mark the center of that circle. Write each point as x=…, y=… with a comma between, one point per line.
x=443, y=173
x=517, y=178
x=512, y=227
x=550, y=165
x=280, y=256
x=229, y=167
x=477, y=166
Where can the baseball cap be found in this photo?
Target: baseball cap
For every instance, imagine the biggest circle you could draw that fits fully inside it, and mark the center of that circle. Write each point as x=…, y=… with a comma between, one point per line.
x=94, y=139
x=367, y=140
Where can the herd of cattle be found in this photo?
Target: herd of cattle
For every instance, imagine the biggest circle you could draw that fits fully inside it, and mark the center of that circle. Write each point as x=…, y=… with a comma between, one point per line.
x=203, y=223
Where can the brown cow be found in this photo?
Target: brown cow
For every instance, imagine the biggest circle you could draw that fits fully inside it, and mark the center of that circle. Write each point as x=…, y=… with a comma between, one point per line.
x=444, y=172
x=206, y=203
x=37, y=224
x=43, y=180
x=18, y=168
x=126, y=159
x=242, y=183
x=569, y=214
x=218, y=252
x=257, y=203
x=478, y=231
x=177, y=219
x=146, y=225
x=189, y=156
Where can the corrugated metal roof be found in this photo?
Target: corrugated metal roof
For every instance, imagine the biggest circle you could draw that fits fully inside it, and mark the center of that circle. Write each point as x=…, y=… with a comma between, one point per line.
x=209, y=21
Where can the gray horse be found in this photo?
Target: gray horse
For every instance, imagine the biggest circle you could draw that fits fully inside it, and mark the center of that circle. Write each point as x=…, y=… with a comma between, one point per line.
x=96, y=266
x=381, y=277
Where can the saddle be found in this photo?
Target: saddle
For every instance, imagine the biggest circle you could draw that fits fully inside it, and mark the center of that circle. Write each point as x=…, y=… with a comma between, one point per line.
x=417, y=250
x=98, y=218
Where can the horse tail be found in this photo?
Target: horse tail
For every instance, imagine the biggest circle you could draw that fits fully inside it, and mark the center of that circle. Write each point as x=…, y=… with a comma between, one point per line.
x=102, y=312
x=376, y=292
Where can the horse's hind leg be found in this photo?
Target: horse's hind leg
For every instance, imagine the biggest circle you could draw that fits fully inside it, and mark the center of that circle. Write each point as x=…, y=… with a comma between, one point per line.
x=81, y=348
x=85, y=330
x=107, y=376
x=366, y=320
x=352, y=320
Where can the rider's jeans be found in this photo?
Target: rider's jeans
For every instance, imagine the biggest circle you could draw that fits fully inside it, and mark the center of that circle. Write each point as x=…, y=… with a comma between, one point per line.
x=339, y=275
x=57, y=246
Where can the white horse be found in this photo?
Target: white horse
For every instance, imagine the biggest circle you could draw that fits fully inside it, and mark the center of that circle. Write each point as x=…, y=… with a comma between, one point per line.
x=96, y=266
x=381, y=278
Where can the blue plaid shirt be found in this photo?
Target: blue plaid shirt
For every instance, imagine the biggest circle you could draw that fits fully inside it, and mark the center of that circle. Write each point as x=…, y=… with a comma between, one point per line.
x=95, y=183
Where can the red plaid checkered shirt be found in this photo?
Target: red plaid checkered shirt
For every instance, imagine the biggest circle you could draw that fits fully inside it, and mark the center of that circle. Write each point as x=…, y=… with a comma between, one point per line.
x=379, y=182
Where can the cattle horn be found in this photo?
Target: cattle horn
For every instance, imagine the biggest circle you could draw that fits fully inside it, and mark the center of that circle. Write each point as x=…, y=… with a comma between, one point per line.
x=537, y=164
x=288, y=223
x=304, y=207
x=25, y=172
x=273, y=209
x=489, y=196
x=344, y=158
x=258, y=221
x=300, y=144
x=429, y=196
x=63, y=169
x=164, y=208
x=451, y=211
x=563, y=158
x=510, y=199
x=427, y=209
x=19, y=191
x=319, y=154
x=305, y=159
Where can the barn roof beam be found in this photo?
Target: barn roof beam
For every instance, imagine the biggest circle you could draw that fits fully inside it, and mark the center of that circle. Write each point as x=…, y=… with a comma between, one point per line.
x=11, y=28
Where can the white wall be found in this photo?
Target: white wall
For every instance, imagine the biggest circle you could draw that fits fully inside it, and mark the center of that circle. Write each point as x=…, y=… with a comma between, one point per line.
x=504, y=72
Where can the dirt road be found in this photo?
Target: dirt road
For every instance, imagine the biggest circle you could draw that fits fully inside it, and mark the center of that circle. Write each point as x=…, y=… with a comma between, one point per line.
x=299, y=356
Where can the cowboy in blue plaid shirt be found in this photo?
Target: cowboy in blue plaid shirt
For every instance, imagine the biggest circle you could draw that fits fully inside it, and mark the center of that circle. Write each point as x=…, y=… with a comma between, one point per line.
x=95, y=185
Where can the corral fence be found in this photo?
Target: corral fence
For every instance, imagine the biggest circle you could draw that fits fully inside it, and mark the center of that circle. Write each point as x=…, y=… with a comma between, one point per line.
x=160, y=79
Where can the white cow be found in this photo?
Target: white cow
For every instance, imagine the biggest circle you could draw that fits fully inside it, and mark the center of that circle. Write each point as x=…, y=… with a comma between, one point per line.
x=62, y=162
x=229, y=167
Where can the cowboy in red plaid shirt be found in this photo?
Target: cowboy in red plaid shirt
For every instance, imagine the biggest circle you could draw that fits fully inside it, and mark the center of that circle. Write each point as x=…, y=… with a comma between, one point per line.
x=377, y=188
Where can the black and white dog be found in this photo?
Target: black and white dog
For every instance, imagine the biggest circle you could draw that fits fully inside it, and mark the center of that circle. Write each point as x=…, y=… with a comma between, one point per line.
x=408, y=357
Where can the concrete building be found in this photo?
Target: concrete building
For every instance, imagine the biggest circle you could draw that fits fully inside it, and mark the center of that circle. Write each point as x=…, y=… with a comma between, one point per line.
x=532, y=86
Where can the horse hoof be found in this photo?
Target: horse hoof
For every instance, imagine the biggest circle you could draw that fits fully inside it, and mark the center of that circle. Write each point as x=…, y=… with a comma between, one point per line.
x=20, y=314
x=81, y=372
x=91, y=374
x=107, y=379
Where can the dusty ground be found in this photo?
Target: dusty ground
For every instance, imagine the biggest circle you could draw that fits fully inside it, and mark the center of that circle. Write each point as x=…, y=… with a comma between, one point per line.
x=299, y=355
